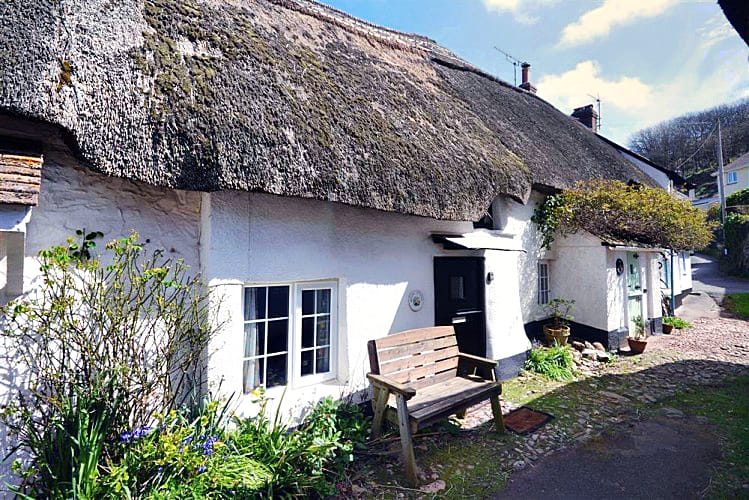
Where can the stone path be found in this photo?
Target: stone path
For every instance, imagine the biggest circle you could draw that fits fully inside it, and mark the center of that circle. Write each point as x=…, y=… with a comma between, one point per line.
x=617, y=394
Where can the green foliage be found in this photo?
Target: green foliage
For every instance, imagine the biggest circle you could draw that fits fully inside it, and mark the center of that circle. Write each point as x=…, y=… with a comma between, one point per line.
x=640, y=325
x=559, y=309
x=738, y=198
x=738, y=303
x=106, y=343
x=678, y=323
x=554, y=363
x=617, y=211
x=299, y=460
x=182, y=458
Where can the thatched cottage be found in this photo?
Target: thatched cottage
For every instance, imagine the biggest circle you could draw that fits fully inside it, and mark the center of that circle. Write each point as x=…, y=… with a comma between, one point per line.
x=331, y=180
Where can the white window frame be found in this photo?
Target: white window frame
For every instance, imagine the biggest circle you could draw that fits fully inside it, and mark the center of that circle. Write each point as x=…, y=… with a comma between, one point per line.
x=297, y=379
x=543, y=296
x=294, y=378
x=732, y=177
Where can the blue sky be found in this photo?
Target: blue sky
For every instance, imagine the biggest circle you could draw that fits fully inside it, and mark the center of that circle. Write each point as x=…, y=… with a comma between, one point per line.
x=649, y=60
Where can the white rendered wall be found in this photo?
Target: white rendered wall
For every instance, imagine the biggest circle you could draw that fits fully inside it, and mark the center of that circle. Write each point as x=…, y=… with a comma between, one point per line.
x=377, y=258
x=72, y=198
x=580, y=272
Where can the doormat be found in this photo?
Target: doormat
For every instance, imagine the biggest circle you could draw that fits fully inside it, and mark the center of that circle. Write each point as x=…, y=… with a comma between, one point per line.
x=525, y=420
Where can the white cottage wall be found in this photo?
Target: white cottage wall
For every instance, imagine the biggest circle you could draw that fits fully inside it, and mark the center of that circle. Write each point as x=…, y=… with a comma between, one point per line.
x=580, y=272
x=377, y=259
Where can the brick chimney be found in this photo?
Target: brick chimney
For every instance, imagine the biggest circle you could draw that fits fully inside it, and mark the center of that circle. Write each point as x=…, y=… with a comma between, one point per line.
x=587, y=116
x=527, y=85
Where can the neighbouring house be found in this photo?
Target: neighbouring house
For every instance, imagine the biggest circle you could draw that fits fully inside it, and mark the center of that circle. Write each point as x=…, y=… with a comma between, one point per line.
x=332, y=181
x=614, y=282
x=736, y=175
x=679, y=262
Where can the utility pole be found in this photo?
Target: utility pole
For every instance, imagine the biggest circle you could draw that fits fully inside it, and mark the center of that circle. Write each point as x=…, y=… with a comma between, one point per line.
x=721, y=186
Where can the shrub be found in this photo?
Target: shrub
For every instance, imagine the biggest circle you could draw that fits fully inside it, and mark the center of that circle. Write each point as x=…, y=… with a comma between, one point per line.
x=738, y=198
x=554, y=363
x=626, y=213
x=106, y=343
x=677, y=323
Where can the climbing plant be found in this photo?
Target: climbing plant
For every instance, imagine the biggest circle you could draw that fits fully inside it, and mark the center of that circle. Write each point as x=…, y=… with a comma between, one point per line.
x=617, y=211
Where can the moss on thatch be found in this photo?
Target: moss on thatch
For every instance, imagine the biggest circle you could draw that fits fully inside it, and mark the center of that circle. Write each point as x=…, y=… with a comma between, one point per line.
x=287, y=97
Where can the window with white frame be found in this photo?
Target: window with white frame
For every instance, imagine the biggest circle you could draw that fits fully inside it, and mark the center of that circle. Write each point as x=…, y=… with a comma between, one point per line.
x=543, y=283
x=732, y=178
x=289, y=334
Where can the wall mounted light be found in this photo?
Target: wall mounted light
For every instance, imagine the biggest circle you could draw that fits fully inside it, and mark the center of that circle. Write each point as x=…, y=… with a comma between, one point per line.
x=489, y=277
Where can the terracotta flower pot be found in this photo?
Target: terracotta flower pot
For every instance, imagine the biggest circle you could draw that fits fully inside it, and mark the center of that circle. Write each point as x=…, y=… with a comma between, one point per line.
x=636, y=346
x=558, y=334
x=667, y=329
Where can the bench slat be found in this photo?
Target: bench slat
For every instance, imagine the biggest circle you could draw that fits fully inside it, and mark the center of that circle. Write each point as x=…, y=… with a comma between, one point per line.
x=385, y=355
x=397, y=365
x=450, y=399
x=411, y=336
x=427, y=382
x=407, y=376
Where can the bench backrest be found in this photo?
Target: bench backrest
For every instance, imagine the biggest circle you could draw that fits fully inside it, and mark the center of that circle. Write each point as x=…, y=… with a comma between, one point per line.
x=418, y=358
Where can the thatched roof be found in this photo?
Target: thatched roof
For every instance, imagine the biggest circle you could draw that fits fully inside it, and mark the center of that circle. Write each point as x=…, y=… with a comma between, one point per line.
x=286, y=97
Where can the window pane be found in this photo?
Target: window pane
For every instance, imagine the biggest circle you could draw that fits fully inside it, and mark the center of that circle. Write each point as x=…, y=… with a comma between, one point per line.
x=323, y=360
x=254, y=339
x=323, y=330
x=323, y=301
x=278, y=302
x=276, y=371
x=308, y=332
x=254, y=303
x=307, y=362
x=308, y=302
x=278, y=335
x=253, y=374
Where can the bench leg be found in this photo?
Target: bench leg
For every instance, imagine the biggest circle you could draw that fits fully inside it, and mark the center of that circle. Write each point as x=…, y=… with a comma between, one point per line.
x=380, y=405
x=409, y=460
x=461, y=413
x=499, y=422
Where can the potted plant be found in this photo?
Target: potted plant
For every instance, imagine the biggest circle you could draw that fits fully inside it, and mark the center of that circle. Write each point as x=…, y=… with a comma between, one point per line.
x=558, y=331
x=671, y=322
x=639, y=340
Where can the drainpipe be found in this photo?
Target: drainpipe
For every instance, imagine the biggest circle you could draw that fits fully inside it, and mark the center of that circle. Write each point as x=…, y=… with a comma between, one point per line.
x=673, y=298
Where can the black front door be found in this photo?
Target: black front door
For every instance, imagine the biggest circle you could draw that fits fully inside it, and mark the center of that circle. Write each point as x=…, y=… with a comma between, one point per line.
x=459, y=300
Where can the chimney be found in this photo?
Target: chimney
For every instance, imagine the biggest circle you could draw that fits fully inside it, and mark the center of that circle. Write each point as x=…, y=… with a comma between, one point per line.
x=587, y=116
x=527, y=85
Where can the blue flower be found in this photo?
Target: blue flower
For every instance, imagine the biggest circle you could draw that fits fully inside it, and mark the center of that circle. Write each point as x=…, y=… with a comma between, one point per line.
x=125, y=437
x=202, y=469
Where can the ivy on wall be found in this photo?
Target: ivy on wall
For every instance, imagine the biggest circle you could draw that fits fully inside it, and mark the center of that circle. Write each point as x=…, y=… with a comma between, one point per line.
x=616, y=211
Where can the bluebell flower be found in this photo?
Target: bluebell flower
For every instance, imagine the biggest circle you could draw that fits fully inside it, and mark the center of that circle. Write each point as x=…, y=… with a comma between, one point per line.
x=125, y=437
x=202, y=469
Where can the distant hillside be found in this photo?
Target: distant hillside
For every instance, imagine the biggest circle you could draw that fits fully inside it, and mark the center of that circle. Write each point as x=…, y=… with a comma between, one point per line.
x=672, y=143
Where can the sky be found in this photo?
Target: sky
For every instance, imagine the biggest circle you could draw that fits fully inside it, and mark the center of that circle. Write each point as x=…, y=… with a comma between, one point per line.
x=647, y=60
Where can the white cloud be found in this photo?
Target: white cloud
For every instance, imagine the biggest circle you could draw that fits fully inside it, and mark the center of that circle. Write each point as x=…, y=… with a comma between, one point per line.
x=520, y=9
x=629, y=104
x=599, y=21
x=715, y=30
x=571, y=89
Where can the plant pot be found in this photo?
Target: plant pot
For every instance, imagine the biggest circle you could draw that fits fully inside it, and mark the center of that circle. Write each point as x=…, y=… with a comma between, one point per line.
x=636, y=346
x=558, y=334
x=667, y=329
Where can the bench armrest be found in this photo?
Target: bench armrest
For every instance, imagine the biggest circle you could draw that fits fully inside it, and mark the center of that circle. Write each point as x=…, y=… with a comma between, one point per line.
x=476, y=360
x=392, y=385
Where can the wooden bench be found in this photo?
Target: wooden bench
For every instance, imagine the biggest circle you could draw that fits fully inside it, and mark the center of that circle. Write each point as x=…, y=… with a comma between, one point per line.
x=419, y=377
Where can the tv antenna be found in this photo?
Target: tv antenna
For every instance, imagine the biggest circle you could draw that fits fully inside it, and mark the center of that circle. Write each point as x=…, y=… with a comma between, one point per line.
x=597, y=98
x=515, y=63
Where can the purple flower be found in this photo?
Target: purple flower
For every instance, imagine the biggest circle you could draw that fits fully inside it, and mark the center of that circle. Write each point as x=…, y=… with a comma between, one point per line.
x=202, y=469
x=125, y=437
